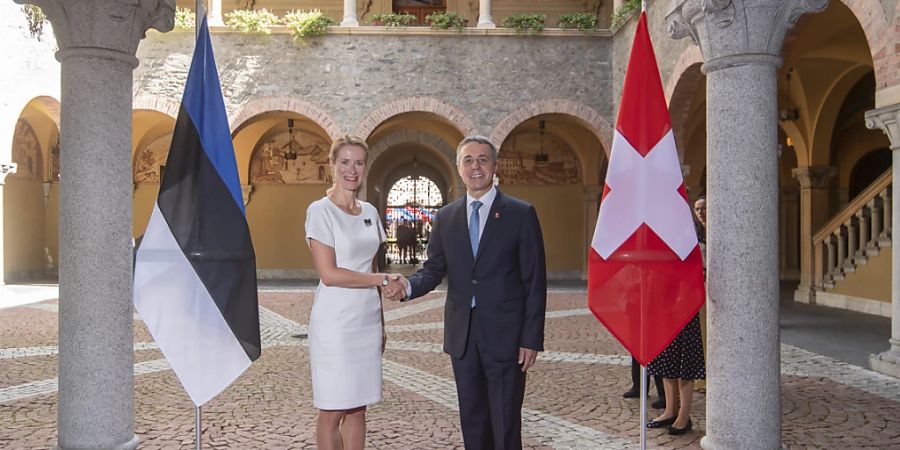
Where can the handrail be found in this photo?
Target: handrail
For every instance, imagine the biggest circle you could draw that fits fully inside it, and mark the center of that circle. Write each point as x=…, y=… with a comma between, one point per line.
x=880, y=184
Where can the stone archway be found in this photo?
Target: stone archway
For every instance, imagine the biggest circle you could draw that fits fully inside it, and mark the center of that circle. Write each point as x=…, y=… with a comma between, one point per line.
x=589, y=117
x=449, y=113
x=260, y=105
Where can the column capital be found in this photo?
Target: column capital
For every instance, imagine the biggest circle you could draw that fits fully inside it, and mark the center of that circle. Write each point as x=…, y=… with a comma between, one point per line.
x=814, y=177
x=108, y=29
x=888, y=120
x=737, y=32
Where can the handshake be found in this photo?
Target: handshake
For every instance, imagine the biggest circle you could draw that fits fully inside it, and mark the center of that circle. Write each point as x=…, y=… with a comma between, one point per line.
x=396, y=288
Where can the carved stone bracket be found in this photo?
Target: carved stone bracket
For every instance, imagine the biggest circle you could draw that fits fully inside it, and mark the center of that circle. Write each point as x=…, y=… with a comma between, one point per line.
x=888, y=120
x=124, y=24
x=6, y=169
x=814, y=177
x=728, y=31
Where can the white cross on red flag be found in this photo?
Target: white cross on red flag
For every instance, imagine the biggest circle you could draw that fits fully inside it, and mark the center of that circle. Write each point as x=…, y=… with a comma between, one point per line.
x=645, y=270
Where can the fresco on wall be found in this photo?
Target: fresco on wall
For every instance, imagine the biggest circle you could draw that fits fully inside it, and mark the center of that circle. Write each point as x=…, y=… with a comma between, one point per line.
x=524, y=160
x=26, y=153
x=151, y=159
x=309, y=166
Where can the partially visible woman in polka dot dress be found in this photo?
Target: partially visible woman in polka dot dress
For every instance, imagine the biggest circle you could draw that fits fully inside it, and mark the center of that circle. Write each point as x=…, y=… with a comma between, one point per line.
x=682, y=361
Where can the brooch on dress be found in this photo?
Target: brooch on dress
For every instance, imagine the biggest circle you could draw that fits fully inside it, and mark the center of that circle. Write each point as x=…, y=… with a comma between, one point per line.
x=368, y=222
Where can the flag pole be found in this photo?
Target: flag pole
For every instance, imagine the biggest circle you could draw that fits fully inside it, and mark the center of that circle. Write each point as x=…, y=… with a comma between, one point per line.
x=199, y=431
x=644, y=5
x=644, y=406
x=198, y=13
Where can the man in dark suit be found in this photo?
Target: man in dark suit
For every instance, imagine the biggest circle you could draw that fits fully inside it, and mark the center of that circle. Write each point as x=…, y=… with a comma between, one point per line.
x=490, y=247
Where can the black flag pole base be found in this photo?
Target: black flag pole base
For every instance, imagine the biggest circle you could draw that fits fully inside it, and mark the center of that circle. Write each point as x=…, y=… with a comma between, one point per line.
x=644, y=407
x=198, y=439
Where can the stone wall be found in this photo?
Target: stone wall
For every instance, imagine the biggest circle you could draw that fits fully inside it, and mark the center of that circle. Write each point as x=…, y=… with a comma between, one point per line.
x=347, y=77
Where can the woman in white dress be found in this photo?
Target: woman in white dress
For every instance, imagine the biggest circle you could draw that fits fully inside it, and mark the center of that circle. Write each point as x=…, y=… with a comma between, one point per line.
x=346, y=326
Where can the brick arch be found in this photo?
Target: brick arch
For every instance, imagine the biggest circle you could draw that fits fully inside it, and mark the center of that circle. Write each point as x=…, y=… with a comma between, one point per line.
x=156, y=103
x=592, y=119
x=880, y=36
x=441, y=146
x=683, y=82
x=453, y=115
x=313, y=112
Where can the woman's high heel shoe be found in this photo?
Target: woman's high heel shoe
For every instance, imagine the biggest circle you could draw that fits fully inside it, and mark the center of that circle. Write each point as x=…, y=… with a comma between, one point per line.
x=660, y=423
x=679, y=431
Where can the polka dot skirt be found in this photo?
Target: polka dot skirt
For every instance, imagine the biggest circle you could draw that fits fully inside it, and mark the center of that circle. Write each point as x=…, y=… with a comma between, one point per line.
x=683, y=358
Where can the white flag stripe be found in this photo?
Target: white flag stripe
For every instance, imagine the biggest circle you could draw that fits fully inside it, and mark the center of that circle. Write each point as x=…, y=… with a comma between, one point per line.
x=644, y=190
x=190, y=330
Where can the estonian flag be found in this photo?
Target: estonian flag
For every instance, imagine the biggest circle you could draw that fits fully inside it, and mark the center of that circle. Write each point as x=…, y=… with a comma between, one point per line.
x=195, y=269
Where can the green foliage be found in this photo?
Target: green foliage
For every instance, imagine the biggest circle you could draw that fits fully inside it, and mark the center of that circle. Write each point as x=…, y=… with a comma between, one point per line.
x=36, y=20
x=394, y=19
x=624, y=12
x=307, y=23
x=249, y=21
x=532, y=23
x=184, y=19
x=582, y=21
x=445, y=20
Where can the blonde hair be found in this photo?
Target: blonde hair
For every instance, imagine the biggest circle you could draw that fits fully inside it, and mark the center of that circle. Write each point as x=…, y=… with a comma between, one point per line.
x=344, y=141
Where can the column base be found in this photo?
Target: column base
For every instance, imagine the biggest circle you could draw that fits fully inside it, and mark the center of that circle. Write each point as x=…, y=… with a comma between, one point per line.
x=130, y=445
x=488, y=24
x=805, y=294
x=707, y=443
x=349, y=23
x=887, y=362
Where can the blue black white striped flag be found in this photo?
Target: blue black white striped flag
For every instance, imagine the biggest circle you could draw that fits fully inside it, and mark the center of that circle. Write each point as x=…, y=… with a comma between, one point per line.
x=195, y=269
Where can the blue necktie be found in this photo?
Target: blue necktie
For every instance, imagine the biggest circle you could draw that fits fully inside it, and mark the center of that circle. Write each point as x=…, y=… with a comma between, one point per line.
x=474, y=221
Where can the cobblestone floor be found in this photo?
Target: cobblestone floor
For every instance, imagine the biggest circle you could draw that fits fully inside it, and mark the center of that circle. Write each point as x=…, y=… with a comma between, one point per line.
x=573, y=398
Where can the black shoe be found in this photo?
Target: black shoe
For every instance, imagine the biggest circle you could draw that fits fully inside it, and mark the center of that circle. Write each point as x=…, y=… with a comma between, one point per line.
x=631, y=393
x=661, y=423
x=679, y=431
x=659, y=404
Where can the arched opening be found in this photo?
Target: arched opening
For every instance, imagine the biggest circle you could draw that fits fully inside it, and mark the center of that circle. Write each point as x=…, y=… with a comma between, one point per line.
x=542, y=161
x=412, y=203
x=151, y=139
x=30, y=250
x=283, y=164
x=868, y=169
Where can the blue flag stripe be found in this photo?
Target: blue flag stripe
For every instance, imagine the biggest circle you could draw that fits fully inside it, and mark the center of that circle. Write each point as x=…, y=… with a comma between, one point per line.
x=203, y=102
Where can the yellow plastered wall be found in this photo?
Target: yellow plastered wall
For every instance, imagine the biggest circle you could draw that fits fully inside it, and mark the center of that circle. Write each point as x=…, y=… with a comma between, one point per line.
x=23, y=229
x=561, y=213
x=871, y=281
x=51, y=226
x=144, y=198
x=277, y=217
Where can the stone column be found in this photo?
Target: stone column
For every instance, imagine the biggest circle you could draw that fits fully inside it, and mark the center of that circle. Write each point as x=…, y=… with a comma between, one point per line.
x=97, y=41
x=484, y=14
x=741, y=42
x=5, y=169
x=814, y=181
x=350, y=19
x=888, y=120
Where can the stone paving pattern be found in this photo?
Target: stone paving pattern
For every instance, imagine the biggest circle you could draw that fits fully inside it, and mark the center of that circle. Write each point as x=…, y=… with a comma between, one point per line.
x=573, y=398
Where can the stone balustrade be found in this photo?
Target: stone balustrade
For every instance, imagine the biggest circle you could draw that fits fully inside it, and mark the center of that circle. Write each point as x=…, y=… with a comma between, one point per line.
x=857, y=232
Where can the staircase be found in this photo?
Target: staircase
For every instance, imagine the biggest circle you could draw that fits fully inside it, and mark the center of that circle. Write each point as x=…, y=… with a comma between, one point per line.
x=856, y=233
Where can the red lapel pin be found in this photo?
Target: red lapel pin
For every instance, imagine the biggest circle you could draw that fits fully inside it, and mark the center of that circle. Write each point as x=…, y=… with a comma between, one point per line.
x=496, y=215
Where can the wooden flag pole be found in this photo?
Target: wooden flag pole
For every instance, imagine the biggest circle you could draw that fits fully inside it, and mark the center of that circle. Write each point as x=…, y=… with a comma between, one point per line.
x=644, y=407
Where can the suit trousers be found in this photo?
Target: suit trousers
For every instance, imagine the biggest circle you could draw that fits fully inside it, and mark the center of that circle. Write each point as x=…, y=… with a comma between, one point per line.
x=490, y=394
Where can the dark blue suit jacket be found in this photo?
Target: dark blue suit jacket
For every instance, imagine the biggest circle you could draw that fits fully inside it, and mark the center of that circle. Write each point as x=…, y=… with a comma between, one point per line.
x=508, y=277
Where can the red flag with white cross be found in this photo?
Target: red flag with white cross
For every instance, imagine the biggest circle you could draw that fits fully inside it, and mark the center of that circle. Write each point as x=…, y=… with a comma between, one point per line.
x=645, y=270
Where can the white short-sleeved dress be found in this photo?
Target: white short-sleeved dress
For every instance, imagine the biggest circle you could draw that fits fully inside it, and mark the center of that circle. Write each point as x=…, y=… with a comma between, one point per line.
x=345, y=324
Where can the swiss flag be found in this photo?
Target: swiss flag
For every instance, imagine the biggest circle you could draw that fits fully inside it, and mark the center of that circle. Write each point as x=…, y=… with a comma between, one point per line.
x=645, y=270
